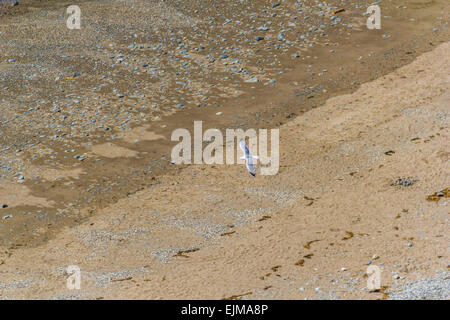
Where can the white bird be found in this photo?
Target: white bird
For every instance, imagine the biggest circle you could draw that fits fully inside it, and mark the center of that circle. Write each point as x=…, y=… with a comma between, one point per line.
x=248, y=157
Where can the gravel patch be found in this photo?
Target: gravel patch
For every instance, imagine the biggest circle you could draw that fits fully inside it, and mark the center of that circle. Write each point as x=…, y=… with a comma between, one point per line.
x=437, y=288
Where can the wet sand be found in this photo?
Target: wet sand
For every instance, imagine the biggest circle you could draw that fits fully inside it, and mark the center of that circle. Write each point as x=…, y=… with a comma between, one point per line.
x=139, y=227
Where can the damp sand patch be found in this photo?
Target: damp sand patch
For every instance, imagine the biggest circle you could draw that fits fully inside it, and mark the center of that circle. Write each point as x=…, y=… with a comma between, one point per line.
x=110, y=150
x=140, y=134
x=15, y=195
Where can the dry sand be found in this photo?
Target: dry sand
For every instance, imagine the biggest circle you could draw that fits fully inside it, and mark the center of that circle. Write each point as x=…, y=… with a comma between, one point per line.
x=213, y=232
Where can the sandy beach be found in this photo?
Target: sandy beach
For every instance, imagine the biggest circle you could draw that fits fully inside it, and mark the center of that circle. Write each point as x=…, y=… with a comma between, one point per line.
x=364, y=176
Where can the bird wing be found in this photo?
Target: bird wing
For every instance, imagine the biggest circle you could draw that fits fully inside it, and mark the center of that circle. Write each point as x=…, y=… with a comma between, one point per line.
x=250, y=166
x=248, y=158
x=243, y=146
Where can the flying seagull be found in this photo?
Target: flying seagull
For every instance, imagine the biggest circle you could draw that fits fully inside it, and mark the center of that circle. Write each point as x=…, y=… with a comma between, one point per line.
x=248, y=157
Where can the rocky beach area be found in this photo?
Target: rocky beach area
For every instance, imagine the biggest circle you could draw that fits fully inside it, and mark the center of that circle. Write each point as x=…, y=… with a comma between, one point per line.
x=86, y=176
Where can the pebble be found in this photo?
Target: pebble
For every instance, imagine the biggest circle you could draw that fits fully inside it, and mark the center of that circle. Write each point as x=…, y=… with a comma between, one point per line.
x=404, y=182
